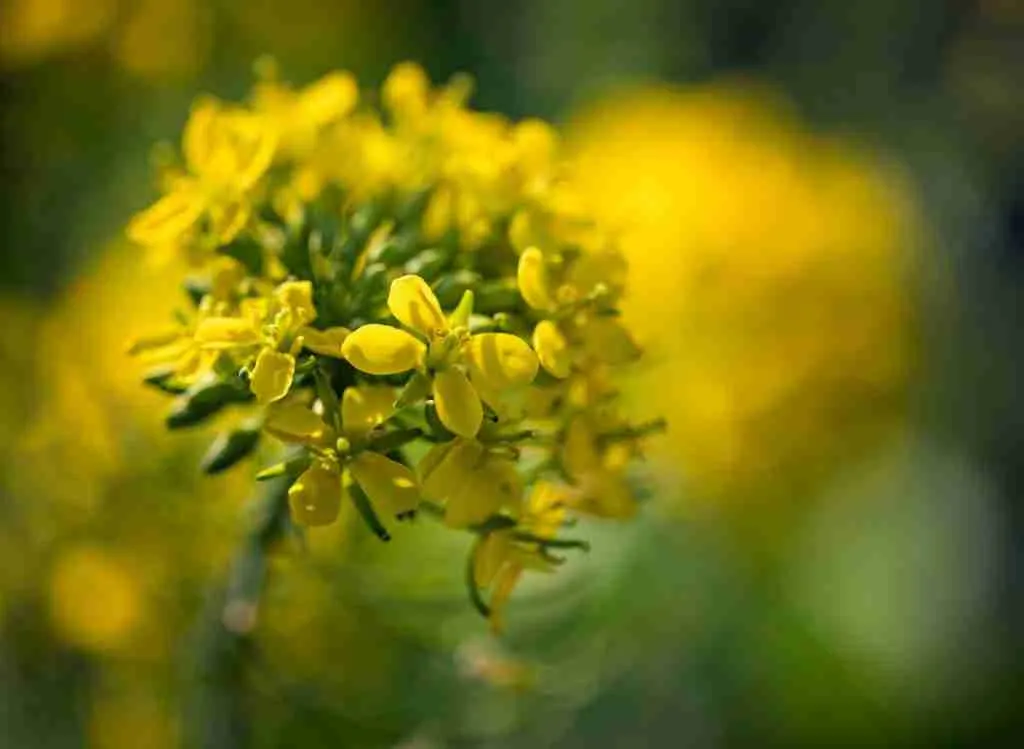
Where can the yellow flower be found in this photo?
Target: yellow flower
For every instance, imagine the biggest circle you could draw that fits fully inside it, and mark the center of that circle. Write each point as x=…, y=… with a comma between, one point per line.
x=274, y=331
x=95, y=599
x=227, y=150
x=576, y=296
x=470, y=480
x=779, y=320
x=299, y=116
x=597, y=471
x=500, y=557
x=462, y=367
x=342, y=455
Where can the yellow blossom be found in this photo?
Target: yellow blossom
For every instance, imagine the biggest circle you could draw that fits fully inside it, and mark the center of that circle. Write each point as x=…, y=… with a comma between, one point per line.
x=500, y=558
x=343, y=455
x=276, y=330
x=471, y=481
x=227, y=150
x=463, y=367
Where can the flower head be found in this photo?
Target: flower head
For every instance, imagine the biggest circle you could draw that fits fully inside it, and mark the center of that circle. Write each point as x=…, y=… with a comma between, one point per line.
x=463, y=367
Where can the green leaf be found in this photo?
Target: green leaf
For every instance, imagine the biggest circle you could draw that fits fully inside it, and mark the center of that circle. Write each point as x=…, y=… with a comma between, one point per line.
x=229, y=448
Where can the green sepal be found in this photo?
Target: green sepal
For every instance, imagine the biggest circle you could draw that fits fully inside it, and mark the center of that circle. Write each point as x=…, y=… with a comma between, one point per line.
x=229, y=448
x=163, y=379
x=494, y=523
x=292, y=468
x=203, y=401
x=248, y=252
x=632, y=432
x=369, y=515
x=394, y=440
x=438, y=430
x=471, y=587
x=459, y=318
x=551, y=543
x=325, y=392
x=196, y=288
x=415, y=390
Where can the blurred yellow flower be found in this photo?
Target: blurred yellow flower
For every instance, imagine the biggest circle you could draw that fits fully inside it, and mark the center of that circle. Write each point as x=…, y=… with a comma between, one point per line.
x=95, y=599
x=226, y=151
x=152, y=39
x=768, y=274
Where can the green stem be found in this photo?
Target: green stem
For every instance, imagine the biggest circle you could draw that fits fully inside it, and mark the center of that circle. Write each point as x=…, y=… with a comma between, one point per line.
x=225, y=645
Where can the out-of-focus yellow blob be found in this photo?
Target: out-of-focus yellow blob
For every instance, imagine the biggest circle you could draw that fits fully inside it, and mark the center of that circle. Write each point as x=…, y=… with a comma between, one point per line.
x=768, y=277
x=33, y=29
x=94, y=599
x=131, y=718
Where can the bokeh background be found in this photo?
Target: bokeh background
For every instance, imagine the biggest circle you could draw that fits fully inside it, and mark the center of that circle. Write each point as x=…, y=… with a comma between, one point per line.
x=821, y=203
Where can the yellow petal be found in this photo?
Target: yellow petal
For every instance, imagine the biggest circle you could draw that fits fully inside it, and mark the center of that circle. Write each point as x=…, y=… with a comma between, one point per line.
x=272, y=375
x=504, y=584
x=608, y=341
x=324, y=342
x=532, y=277
x=414, y=305
x=405, y=90
x=499, y=361
x=493, y=486
x=390, y=486
x=365, y=407
x=545, y=508
x=445, y=467
x=168, y=219
x=252, y=140
x=579, y=453
x=471, y=484
x=198, y=140
x=328, y=99
x=294, y=422
x=226, y=332
x=382, y=350
x=605, y=494
x=315, y=497
x=438, y=216
x=228, y=218
x=552, y=349
x=489, y=556
x=458, y=405
x=296, y=298
x=228, y=147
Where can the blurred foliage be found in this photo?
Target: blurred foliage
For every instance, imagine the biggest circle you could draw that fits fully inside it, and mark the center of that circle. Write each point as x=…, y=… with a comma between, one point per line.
x=891, y=612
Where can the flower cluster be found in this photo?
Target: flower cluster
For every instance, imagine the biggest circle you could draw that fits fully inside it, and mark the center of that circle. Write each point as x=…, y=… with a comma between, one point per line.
x=414, y=299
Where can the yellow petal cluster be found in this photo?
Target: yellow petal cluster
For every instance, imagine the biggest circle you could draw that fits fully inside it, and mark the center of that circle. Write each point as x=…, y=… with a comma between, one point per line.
x=414, y=304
